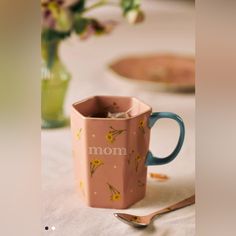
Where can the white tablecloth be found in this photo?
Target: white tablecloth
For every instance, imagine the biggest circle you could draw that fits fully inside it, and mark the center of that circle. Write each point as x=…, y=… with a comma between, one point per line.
x=169, y=26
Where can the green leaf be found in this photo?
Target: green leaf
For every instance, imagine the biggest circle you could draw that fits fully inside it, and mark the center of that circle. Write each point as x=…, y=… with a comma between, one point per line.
x=49, y=35
x=78, y=7
x=80, y=24
x=128, y=5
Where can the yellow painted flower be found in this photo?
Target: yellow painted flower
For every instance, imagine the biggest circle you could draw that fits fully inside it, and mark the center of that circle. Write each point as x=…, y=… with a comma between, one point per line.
x=115, y=194
x=141, y=123
x=81, y=184
x=141, y=126
x=78, y=134
x=137, y=161
x=97, y=162
x=115, y=197
x=94, y=164
x=138, y=158
x=113, y=133
x=110, y=138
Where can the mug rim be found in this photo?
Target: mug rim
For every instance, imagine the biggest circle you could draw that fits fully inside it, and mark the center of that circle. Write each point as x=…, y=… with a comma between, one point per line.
x=149, y=109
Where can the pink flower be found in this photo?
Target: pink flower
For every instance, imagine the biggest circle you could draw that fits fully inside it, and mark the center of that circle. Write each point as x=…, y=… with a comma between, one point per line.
x=55, y=16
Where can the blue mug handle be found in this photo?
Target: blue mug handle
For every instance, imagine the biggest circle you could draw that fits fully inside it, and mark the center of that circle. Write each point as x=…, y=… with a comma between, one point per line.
x=152, y=160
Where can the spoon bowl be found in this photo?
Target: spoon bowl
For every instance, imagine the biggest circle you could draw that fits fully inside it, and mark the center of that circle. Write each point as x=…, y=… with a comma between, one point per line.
x=144, y=221
x=136, y=221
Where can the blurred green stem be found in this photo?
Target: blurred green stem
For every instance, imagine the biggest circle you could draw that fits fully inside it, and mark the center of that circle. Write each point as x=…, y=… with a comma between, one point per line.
x=100, y=4
x=49, y=52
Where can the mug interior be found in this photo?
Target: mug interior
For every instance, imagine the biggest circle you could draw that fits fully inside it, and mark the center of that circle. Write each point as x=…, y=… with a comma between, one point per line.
x=98, y=106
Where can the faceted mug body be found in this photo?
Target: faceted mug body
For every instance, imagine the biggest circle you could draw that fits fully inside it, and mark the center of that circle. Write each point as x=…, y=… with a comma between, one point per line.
x=110, y=153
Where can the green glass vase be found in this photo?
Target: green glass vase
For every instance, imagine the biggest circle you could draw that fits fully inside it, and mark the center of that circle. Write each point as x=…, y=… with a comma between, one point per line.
x=54, y=85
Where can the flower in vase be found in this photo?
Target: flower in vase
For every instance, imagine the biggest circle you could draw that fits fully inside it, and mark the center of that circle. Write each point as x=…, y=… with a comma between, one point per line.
x=55, y=16
x=131, y=11
x=60, y=19
x=135, y=16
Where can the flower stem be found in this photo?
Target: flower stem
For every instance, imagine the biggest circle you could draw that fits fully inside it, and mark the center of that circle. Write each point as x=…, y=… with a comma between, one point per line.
x=99, y=4
x=50, y=53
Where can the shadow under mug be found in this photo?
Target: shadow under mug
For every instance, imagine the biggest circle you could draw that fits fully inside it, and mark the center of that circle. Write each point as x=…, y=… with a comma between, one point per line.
x=111, y=155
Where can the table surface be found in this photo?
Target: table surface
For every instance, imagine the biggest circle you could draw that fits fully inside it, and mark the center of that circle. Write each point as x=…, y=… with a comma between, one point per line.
x=169, y=27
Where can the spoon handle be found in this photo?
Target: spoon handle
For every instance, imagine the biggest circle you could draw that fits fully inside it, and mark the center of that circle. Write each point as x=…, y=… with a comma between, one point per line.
x=176, y=206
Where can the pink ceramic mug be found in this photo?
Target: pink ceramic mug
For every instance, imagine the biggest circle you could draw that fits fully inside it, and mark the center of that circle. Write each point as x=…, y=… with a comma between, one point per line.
x=111, y=155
